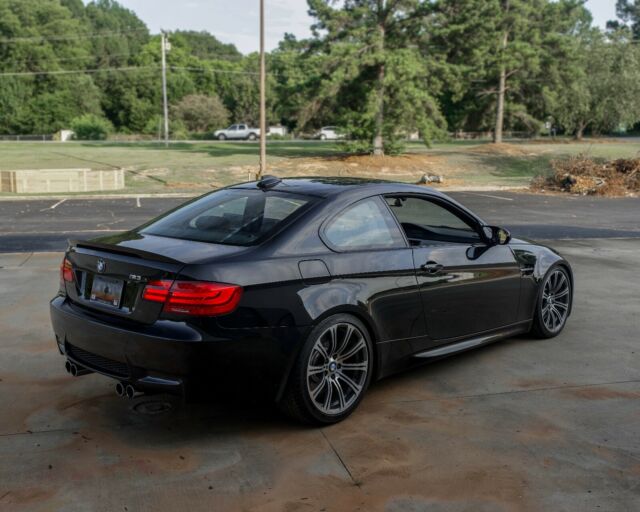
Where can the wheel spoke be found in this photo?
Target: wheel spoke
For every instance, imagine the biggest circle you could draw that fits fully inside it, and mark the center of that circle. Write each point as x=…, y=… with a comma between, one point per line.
x=345, y=341
x=329, y=395
x=561, y=305
x=562, y=293
x=315, y=370
x=333, y=335
x=319, y=347
x=341, y=398
x=354, y=350
x=349, y=381
x=359, y=367
x=316, y=391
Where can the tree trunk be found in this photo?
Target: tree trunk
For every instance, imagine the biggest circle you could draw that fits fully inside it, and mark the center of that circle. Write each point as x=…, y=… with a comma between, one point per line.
x=378, y=139
x=580, y=131
x=502, y=85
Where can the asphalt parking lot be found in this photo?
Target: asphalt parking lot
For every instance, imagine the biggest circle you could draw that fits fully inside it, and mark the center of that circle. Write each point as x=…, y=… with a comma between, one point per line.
x=47, y=224
x=523, y=425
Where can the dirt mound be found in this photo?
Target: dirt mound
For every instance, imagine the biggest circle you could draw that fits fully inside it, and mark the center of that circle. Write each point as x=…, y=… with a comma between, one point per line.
x=409, y=167
x=585, y=176
x=501, y=149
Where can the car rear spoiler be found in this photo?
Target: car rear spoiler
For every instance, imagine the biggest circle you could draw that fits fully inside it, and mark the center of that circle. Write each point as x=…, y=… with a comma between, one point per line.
x=118, y=249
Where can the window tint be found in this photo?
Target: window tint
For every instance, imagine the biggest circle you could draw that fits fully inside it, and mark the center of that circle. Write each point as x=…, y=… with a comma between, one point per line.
x=233, y=127
x=235, y=217
x=365, y=225
x=424, y=220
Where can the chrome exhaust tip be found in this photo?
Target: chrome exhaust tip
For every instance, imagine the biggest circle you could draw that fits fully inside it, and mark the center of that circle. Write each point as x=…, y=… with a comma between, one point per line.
x=75, y=370
x=120, y=390
x=131, y=392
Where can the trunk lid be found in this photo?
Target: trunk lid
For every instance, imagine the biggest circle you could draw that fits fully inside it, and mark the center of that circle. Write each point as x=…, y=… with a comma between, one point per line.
x=117, y=268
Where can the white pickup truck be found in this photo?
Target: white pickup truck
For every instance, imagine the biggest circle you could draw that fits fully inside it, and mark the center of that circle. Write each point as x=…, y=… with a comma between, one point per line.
x=238, y=131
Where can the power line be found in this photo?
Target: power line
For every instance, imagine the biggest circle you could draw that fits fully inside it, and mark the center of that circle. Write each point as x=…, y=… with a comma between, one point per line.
x=39, y=39
x=123, y=69
x=223, y=71
x=77, y=71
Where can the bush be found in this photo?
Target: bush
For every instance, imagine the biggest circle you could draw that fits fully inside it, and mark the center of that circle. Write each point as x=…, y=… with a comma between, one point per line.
x=91, y=127
x=200, y=113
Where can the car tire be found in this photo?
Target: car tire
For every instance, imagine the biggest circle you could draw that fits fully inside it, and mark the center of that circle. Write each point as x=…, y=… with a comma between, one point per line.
x=323, y=137
x=553, y=304
x=222, y=137
x=321, y=390
x=252, y=136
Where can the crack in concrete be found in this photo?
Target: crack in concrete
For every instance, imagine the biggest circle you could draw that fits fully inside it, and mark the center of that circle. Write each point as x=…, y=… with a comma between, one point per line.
x=346, y=468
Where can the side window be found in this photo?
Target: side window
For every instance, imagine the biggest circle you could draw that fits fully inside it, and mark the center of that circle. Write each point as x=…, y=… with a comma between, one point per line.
x=365, y=225
x=233, y=127
x=242, y=127
x=425, y=221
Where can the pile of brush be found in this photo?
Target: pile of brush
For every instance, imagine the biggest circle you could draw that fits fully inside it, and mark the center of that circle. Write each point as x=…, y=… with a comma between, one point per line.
x=584, y=176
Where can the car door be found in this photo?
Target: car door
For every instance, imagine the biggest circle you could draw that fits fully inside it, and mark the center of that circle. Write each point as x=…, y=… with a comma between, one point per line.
x=372, y=268
x=467, y=287
x=232, y=131
x=242, y=131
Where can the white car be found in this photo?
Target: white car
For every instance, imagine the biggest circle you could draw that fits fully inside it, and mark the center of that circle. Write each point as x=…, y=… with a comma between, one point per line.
x=238, y=131
x=328, y=133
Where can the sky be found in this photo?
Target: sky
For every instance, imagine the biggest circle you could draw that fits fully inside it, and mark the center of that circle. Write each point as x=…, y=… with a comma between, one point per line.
x=236, y=21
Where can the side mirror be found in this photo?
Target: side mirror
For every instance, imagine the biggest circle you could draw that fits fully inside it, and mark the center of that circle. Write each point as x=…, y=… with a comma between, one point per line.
x=494, y=235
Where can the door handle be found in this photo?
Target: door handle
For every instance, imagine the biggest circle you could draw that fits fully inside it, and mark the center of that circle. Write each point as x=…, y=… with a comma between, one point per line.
x=432, y=267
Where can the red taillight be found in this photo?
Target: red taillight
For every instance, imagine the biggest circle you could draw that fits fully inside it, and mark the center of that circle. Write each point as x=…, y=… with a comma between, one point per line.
x=66, y=271
x=156, y=291
x=196, y=298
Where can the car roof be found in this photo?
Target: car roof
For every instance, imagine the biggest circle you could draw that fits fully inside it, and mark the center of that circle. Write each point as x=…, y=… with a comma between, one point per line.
x=351, y=189
x=330, y=186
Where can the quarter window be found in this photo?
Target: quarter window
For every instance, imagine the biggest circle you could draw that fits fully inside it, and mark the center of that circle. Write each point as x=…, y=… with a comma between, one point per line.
x=365, y=225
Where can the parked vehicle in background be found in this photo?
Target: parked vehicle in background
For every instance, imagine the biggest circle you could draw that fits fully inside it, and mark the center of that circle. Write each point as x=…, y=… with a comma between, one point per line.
x=328, y=133
x=238, y=132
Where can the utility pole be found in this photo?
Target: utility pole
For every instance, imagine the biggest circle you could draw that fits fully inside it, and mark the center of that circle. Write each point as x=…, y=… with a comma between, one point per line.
x=165, y=106
x=263, y=99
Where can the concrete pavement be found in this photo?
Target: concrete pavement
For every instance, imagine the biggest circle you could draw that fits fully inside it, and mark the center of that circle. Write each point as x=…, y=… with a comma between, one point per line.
x=522, y=425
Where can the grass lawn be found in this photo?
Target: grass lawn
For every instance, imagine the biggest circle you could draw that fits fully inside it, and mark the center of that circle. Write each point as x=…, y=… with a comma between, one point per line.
x=185, y=167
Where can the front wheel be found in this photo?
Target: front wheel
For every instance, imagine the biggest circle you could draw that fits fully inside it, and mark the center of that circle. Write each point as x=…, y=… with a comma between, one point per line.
x=222, y=136
x=332, y=372
x=554, y=304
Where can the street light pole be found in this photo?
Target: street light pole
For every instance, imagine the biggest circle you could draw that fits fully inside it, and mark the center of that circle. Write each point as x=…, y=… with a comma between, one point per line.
x=165, y=105
x=263, y=101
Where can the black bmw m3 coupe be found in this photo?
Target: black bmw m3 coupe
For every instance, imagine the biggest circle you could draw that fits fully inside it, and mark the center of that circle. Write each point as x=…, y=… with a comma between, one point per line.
x=312, y=288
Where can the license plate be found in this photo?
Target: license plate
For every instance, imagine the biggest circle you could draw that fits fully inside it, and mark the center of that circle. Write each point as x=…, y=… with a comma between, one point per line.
x=106, y=291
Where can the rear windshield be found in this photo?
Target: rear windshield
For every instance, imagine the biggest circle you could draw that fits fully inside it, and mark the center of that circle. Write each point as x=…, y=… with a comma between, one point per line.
x=230, y=216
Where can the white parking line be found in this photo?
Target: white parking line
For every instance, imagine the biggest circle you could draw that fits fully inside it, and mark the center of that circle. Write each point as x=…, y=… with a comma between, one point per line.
x=36, y=233
x=53, y=207
x=487, y=195
x=138, y=202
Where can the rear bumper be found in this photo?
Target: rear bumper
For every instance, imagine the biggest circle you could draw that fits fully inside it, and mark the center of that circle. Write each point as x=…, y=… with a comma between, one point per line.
x=172, y=356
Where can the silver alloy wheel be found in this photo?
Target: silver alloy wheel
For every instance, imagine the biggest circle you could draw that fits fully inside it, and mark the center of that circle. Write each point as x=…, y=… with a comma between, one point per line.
x=556, y=295
x=337, y=368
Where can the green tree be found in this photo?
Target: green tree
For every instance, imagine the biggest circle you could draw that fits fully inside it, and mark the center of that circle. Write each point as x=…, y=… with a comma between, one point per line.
x=629, y=12
x=91, y=127
x=373, y=74
x=201, y=113
x=602, y=90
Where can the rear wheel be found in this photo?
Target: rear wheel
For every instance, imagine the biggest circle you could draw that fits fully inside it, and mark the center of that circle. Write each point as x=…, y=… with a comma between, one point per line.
x=332, y=372
x=252, y=136
x=554, y=304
